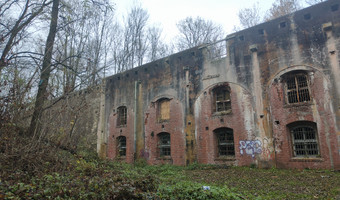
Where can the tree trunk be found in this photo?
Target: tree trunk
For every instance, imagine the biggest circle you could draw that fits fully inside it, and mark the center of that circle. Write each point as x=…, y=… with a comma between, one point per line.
x=45, y=73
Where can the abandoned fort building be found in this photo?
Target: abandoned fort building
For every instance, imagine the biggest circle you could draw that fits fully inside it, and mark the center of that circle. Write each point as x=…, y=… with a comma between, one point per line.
x=268, y=95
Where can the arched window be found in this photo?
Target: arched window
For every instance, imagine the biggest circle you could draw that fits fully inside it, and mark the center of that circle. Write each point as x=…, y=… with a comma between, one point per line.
x=222, y=102
x=297, y=87
x=122, y=115
x=304, y=139
x=164, y=144
x=225, y=142
x=163, y=110
x=121, y=146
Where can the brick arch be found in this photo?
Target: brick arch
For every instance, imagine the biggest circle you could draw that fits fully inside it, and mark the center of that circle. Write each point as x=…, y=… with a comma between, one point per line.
x=307, y=68
x=116, y=130
x=173, y=126
x=240, y=119
x=317, y=110
x=210, y=87
x=162, y=96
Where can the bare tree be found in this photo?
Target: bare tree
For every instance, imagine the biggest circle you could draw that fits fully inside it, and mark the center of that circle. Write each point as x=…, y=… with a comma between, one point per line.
x=45, y=71
x=119, y=57
x=11, y=29
x=83, y=44
x=282, y=7
x=97, y=47
x=250, y=16
x=136, y=42
x=157, y=48
x=135, y=36
x=197, y=31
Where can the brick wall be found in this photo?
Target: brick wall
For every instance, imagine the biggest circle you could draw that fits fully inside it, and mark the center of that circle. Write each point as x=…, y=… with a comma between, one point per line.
x=254, y=70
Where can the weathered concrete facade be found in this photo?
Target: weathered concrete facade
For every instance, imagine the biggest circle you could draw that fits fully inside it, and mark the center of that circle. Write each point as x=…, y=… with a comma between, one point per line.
x=268, y=95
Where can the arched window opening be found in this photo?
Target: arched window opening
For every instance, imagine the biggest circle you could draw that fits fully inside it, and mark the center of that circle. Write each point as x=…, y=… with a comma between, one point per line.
x=222, y=102
x=164, y=144
x=304, y=139
x=121, y=146
x=122, y=116
x=225, y=142
x=297, y=87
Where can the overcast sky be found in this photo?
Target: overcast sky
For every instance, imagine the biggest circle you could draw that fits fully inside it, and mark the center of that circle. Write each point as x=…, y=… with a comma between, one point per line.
x=166, y=13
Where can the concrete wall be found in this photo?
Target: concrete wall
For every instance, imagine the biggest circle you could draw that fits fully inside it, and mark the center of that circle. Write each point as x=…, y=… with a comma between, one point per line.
x=254, y=68
x=72, y=121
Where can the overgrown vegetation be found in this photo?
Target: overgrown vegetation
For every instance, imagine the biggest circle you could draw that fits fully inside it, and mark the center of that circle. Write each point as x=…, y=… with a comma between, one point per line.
x=40, y=170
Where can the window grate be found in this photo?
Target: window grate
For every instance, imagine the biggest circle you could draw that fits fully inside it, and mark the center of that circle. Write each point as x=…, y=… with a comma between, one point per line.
x=297, y=89
x=121, y=145
x=222, y=98
x=225, y=139
x=164, y=144
x=305, y=142
x=122, y=116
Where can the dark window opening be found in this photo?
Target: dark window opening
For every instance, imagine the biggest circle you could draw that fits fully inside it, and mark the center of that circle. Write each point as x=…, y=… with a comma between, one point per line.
x=297, y=87
x=305, y=142
x=164, y=144
x=222, y=99
x=121, y=146
x=241, y=38
x=307, y=16
x=283, y=24
x=261, y=31
x=335, y=7
x=122, y=116
x=225, y=142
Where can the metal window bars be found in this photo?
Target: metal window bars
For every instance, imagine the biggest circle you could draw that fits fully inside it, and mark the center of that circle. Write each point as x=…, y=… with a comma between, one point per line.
x=305, y=141
x=225, y=139
x=297, y=89
x=121, y=145
x=164, y=144
x=223, y=102
x=122, y=116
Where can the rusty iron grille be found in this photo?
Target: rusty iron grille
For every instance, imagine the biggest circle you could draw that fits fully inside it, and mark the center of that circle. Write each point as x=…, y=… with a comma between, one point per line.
x=164, y=144
x=122, y=115
x=223, y=102
x=225, y=139
x=122, y=146
x=297, y=89
x=305, y=141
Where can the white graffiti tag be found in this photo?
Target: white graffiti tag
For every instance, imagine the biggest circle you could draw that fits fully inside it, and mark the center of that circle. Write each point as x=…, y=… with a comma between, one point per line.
x=251, y=147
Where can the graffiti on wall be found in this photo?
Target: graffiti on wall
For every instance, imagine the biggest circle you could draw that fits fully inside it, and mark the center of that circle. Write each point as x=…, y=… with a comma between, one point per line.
x=250, y=147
